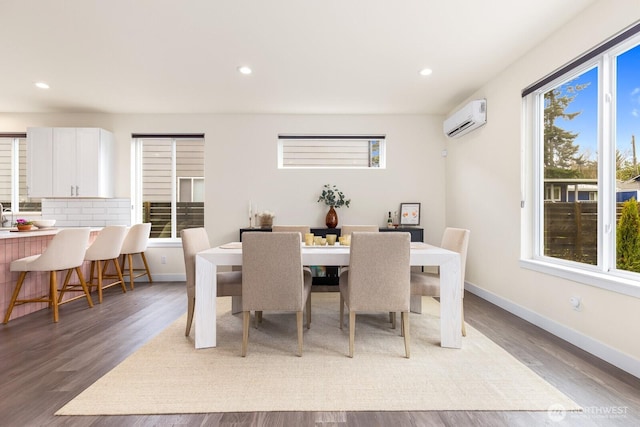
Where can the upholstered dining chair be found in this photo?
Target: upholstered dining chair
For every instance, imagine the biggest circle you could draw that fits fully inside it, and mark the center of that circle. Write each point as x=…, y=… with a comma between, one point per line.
x=229, y=283
x=65, y=251
x=349, y=229
x=377, y=279
x=302, y=229
x=105, y=249
x=428, y=284
x=136, y=243
x=273, y=279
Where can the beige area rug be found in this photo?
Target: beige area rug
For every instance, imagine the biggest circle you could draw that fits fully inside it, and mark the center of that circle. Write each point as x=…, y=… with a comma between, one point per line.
x=168, y=376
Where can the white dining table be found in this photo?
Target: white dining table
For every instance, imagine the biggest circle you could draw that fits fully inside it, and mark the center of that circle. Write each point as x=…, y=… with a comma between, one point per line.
x=422, y=254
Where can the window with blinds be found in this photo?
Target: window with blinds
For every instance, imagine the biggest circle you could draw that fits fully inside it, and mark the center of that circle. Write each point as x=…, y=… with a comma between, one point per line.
x=331, y=152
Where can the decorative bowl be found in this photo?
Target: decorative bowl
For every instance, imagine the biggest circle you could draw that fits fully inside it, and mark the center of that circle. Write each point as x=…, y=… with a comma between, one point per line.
x=44, y=223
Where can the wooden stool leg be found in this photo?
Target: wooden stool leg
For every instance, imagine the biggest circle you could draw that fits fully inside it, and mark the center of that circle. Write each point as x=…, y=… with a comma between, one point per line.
x=101, y=269
x=84, y=286
x=115, y=262
x=130, y=259
x=53, y=293
x=64, y=285
x=146, y=266
x=14, y=297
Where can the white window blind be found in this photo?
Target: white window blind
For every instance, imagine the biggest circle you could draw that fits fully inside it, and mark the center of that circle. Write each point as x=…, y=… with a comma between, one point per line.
x=331, y=151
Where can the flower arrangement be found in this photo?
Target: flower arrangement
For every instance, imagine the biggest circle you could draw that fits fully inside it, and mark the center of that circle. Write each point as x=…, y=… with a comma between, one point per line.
x=265, y=218
x=20, y=222
x=331, y=196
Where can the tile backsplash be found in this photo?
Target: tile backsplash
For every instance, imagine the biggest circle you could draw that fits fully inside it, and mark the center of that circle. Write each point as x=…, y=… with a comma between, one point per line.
x=87, y=212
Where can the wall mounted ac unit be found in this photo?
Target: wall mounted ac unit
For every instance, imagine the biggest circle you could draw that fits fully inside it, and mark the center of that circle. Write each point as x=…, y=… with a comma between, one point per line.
x=470, y=117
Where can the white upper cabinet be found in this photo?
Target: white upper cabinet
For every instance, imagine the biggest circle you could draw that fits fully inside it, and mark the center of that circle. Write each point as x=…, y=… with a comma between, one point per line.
x=70, y=162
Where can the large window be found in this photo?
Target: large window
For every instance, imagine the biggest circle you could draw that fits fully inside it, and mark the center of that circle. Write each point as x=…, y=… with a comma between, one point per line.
x=13, y=177
x=169, y=183
x=584, y=120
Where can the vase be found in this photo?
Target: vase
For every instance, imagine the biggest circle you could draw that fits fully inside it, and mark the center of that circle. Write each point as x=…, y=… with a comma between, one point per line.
x=332, y=218
x=24, y=227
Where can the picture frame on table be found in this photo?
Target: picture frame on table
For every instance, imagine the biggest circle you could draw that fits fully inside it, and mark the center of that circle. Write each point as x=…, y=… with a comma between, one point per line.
x=409, y=213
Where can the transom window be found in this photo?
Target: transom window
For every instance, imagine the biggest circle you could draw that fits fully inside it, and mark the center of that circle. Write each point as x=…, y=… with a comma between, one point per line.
x=331, y=152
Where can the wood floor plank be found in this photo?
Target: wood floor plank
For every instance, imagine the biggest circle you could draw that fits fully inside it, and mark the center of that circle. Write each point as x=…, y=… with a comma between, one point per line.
x=44, y=365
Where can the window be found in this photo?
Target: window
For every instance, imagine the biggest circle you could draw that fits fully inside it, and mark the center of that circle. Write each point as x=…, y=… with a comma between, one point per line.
x=584, y=119
x=331, y=151
x=168, y=182
x=13, y=176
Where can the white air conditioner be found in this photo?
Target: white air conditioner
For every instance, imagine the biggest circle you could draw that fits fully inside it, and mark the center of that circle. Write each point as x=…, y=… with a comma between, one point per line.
x=470, y=117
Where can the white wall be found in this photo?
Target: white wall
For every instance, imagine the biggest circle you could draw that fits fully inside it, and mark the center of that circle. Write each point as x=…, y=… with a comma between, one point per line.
x=483, y=194
x=240, y=165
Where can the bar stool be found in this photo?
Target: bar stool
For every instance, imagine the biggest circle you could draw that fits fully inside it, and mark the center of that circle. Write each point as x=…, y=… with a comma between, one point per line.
x=105, y=249
x=136, y=243
x=65, y=252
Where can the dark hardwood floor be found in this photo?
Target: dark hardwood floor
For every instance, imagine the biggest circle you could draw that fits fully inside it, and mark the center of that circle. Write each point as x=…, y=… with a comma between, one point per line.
x=44, y=365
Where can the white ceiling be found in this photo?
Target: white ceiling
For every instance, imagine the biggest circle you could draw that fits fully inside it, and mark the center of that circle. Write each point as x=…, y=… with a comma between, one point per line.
x=329, y=56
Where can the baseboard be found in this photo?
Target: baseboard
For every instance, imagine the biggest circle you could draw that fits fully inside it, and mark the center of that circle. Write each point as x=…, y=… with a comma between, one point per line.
x=586, y=343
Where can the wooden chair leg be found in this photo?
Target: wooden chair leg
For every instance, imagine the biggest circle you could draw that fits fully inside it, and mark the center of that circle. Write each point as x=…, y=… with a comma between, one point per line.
x=84, y=286
x=100, y=273
x=14, y=296
x=405, y=329
x=309, y=312
x=341, y=311
x=191, y=304
x=119, y=272
x=53, y=293
x=245, y=332
x=146, y=266
x=63, y=290
x=464, y=329
x=131, y=279
x=299, y=325
x=352, y=331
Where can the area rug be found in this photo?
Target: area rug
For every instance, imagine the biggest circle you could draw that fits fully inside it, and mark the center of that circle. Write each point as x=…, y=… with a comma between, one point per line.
x=169, y=376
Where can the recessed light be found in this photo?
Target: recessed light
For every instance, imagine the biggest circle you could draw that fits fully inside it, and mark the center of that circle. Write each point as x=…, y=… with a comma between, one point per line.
x=244, y=70
x=426, y=72
x=42, y=85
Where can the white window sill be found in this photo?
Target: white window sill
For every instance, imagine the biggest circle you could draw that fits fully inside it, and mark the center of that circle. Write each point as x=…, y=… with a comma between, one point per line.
x=164, y=243
x=606, y=281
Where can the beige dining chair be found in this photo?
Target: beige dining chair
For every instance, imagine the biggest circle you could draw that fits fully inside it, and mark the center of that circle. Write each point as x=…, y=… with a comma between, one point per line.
x=229, y=283
x=428, y=284
x=302, y=229
x=273, y=279
x=377, y=279
x=105, y=249
x=136, y=243
x=349, y=229
x=65, y=251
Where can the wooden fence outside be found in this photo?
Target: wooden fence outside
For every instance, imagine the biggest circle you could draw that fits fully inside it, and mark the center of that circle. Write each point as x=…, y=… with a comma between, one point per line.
x=189, y=215
x=571, y=230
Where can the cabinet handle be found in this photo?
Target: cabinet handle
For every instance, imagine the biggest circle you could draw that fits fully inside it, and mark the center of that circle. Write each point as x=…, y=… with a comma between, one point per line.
x=72, y=190
x=77, y=191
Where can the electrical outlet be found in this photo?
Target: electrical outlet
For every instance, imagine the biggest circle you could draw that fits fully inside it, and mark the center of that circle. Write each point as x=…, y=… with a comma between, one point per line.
x=163, y=259
x=576, y=303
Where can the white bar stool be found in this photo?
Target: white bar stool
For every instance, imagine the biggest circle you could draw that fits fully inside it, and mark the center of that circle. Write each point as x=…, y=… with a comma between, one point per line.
x=65, y=252
x=136, y=243
x=105, y=249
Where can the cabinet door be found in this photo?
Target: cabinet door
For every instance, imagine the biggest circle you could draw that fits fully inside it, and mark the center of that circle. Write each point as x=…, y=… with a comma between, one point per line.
x=88, y=162
x=64, y=162
x=39, y=166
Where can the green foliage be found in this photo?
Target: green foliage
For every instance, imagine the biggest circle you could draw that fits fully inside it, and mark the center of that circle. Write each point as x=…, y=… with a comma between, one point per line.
x=561, y=159
x=331, y=196
x=628, y=237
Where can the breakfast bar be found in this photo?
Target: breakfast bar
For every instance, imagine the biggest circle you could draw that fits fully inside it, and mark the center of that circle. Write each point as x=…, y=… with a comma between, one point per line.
x=15, y=245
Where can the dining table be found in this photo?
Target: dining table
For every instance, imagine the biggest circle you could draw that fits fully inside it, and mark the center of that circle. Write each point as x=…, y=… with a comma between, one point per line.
x=422, y=254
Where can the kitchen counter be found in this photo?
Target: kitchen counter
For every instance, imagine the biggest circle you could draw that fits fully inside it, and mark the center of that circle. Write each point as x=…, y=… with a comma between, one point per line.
x=12, y=233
